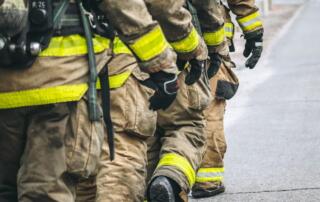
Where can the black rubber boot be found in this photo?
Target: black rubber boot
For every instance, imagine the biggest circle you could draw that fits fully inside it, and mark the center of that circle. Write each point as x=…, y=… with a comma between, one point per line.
x=203, y=193
x=163, y=189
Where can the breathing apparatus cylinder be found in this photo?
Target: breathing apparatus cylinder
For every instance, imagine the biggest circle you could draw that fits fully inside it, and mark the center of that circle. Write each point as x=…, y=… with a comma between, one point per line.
x=13, y=16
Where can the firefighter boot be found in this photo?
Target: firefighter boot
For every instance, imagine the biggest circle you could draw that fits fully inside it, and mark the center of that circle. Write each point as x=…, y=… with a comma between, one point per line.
x=163, y=189
x=200, y=192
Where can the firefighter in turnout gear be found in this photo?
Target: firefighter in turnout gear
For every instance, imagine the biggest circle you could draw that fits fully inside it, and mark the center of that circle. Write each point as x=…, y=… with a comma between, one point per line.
x=224, y=83
x=51, y=125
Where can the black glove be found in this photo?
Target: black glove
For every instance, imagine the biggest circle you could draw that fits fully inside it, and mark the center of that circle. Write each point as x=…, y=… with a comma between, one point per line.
x=165, y=86
x=231, y=46
x=197, y=67
x=215, y=62
x=254, y=47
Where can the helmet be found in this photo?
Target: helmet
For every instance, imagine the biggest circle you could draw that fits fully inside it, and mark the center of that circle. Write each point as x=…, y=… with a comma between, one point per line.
x=13, y=16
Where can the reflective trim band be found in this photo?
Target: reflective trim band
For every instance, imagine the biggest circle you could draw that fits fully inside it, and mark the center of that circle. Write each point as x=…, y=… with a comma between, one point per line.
x=214, y=38
x=150, y=45
x=73, y=45
x=210, y=175
x=187, y=44
x=250, y=22
x=119, y=47
x=181, y=163
x=229, y=30
x=50, y=95
x=58, y=94
x=116, y=81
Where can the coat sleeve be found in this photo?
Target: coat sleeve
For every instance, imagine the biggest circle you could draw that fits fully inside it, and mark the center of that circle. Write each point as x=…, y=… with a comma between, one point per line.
x=212, y=24
x=247, y=13
x=136, y=27
x=176, y=22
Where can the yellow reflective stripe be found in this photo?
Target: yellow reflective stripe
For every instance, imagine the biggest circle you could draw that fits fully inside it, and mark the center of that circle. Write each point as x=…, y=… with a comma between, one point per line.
x=119, y=47
x=181, y=163
x=150, y=45
x=63, y=46
x=250, y=22
x=187, y=44
x=50, y=95
x=57, y=94
x=210, y=175
x=116, y=81
x=214, y=38
x=229, y=29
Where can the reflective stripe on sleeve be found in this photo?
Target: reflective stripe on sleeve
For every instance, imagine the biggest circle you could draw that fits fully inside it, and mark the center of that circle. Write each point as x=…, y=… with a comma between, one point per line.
x=250, y=22
x=210, y=175
x=181, y=163
x=119, y=47
x=229, y=30
x=150, y=45
x=187, y=44
x=73, y=45
x=214, y=38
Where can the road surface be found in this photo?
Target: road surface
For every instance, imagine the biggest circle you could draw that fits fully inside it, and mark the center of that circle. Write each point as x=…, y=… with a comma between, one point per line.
x=273, y=124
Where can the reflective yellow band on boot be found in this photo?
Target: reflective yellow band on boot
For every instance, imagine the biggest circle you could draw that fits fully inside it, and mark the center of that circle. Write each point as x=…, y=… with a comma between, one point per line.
x=181, y=163
x=50, y=95
x=210, y=175
x=150, y=45
x=229, y=30
x=214, y=38
x=73, y=45
x=250, y=22
x=187, y=44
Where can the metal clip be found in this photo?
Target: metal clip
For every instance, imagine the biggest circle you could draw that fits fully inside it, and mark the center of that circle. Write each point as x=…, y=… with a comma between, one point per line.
x=91, y=18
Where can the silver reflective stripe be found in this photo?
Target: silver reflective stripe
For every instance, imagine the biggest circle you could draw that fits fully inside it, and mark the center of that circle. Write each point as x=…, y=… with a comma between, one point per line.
x=228, y=29
x=250, y=22
x=209, y=175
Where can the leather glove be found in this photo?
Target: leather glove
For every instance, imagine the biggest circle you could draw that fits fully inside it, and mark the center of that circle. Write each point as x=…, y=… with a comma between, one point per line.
x=196, y=70
x=254, y=48
x=165, y=86
x=215, y=62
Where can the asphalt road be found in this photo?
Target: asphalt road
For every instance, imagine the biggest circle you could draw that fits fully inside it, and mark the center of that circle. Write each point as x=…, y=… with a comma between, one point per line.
x=273, y=124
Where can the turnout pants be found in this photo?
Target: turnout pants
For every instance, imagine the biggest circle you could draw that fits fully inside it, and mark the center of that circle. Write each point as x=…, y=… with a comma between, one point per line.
x=223, y=85
x=177, y=148
x=51, y=147
x=123, y=179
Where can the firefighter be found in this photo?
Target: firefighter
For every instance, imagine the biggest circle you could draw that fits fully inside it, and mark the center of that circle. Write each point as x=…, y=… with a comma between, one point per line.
x=51, y=129
x=224, y=84
x=132, y=162
x=176, y=150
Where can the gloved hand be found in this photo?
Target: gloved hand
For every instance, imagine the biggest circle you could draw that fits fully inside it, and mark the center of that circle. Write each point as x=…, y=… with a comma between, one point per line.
x=197, y=60
x=215, y=62
x=196, y=70
x=254, y=48
x=165, y=86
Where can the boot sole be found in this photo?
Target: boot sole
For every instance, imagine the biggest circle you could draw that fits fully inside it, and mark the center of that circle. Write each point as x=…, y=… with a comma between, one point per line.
x=208, y=193
x=161, y=191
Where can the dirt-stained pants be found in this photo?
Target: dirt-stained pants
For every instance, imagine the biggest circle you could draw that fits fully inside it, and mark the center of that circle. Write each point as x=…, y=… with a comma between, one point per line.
x=51, y=147
x=223, y=85
x=123, y=179
x=176, y=150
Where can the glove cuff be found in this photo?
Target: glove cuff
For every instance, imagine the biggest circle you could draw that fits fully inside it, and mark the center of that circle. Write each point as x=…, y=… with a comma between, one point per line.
x=254, y=34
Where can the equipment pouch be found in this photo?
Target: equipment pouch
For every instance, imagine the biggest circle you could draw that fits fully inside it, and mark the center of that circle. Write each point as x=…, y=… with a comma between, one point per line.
x=225, y=83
